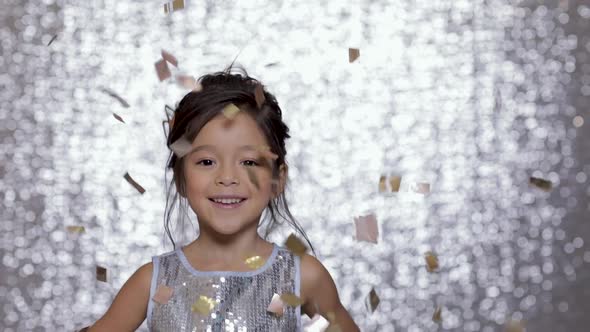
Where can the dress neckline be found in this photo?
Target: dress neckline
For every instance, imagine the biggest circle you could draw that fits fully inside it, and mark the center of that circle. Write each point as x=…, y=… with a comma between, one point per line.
x=196, y=272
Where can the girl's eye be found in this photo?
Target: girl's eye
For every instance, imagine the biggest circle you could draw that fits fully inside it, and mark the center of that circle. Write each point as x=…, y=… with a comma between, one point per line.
x=205, y=162
x=250, y=163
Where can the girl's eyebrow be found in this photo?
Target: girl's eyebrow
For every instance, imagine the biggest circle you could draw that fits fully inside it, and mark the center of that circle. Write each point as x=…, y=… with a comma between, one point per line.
x=243, y=147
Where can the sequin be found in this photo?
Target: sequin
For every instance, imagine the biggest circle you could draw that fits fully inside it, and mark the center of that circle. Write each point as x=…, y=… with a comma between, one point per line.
x=237, y=301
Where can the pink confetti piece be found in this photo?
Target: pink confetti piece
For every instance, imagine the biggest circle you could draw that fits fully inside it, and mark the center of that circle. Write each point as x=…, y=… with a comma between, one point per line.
x=171, y=59
x=276, y=305
x=367, y=228
x=353, y=54
x=162, y=70
x=163, y=294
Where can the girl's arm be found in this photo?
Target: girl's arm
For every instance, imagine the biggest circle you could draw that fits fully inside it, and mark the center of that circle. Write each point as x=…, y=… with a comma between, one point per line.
x=320, y=295
x=129, y=307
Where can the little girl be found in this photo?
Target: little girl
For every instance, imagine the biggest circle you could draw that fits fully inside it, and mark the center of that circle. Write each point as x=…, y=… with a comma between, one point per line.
x=228, y=162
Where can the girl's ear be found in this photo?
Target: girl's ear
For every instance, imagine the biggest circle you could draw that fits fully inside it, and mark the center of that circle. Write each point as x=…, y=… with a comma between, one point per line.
x=279, y=184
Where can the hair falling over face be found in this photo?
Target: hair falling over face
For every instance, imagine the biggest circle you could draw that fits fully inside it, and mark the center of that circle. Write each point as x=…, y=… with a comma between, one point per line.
x=195, y=110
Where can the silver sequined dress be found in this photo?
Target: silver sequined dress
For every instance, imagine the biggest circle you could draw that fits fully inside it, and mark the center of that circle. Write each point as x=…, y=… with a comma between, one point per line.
x=241, y=298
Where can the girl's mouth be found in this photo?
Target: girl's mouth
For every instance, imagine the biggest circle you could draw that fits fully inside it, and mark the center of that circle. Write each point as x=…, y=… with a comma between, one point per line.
x=227, y=203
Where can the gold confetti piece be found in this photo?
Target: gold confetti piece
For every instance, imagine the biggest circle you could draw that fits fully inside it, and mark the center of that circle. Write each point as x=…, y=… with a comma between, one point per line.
x=134, y=184
x=367, y=228
x=276, y=305
x=291, y=299
x=254, y=262
x=52, y=39
x=437, y=315
x=353, y=54
x=372, y=300
x=230, y=111
x=203, y=305
x=295, y=245
x=101, y=273
x=162, y=70
x=163, y=294
x=118, y=117
x=259, y=95
x=395, y=182
x=382, y=184
x=111, y=93
x=514, y=326
x=542, y=184
x=171, y=59
x=173, y=6
x=181, y=147
x=76, y=229
x=431, y=261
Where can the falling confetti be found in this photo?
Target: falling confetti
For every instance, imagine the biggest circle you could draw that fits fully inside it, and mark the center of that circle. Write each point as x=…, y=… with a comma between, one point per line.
x=162, y=70
x=382, y=184
x=253, y=178
x=111, y=93
x=431, y=261
x=353, y=54
x=181, y=147
x=542, y=184
x=295, y=245
x=173, y=6
x=52, y=39
x=259, y=95
x=437, y=315
x=254, y=262
x=118, y=117
x=317, y=324
x=421, y=188
x=372, y=300
x=291, y=300
x=276, y=305
x=514, y=326
x=188, y=82
x=203, y=305
x=134, y=184
x=76, y=229
x=171, y=59
x=163, y=294
x=230, y=111
x=101, y=273
x=394, y=183
x=367, y=228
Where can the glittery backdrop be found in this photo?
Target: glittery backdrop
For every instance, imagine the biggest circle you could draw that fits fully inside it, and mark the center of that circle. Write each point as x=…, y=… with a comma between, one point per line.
x=472, y=97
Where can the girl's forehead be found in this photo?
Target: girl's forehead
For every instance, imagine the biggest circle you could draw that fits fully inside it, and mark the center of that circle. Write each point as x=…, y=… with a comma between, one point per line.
x=238, y=131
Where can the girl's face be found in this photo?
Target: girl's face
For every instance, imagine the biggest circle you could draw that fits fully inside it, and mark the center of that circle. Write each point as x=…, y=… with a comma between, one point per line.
x=227, y=160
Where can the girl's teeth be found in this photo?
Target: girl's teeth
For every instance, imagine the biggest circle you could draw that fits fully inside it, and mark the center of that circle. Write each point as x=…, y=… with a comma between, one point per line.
x=228, y=201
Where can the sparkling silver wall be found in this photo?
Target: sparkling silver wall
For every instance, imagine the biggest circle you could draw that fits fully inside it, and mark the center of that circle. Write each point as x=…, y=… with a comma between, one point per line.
x=472, y=96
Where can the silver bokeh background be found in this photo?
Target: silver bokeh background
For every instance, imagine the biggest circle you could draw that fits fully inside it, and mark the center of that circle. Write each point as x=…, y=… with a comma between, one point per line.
x=473, y=97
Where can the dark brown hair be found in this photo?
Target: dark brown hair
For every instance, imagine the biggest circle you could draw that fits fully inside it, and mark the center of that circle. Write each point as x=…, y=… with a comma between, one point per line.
x=199, y=107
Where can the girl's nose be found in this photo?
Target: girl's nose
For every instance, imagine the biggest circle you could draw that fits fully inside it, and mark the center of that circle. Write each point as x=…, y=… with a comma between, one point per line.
x=226, y=180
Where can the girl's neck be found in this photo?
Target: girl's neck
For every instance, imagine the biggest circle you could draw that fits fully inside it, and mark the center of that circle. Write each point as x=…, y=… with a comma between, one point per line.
x=207, y=250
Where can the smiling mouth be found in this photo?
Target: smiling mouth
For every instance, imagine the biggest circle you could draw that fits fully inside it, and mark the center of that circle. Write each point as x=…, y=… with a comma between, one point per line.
x=228, y=204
